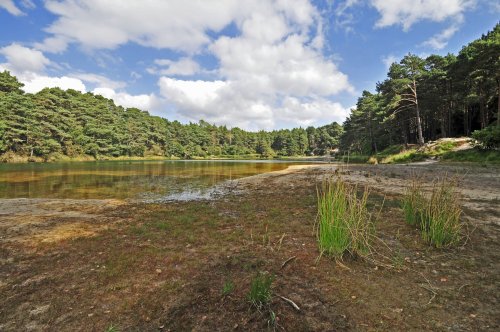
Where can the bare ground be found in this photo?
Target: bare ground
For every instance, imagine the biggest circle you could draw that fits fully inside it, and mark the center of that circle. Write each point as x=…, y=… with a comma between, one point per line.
x=89, y=265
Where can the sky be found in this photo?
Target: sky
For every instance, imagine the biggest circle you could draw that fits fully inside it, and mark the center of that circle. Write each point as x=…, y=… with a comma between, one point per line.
x=253, y=64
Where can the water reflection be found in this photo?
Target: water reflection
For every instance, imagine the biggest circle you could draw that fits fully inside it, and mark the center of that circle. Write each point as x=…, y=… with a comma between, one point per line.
x=124, y=179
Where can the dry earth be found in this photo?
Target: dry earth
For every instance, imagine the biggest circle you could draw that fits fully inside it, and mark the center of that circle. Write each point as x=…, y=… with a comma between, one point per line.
x=98, y=265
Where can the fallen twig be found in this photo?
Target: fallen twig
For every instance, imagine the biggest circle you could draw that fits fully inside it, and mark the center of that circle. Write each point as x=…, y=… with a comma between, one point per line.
x=293, y=304
x=288, y=261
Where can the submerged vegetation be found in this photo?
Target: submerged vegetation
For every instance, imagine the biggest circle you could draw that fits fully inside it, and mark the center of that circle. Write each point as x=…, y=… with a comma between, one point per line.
x=344, y=223
x=437, y=215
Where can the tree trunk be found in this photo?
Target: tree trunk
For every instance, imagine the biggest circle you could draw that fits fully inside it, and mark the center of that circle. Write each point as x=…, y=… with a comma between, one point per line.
x=482, y=108
x=419, y=123
x=498, y=101
x=443, y=122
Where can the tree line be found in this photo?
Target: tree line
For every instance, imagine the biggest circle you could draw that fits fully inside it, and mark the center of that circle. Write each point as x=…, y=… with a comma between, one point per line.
x=428, y=98
x=53, y=124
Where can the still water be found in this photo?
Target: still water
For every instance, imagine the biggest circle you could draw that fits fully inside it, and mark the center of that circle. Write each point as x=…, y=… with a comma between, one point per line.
x=125, y=179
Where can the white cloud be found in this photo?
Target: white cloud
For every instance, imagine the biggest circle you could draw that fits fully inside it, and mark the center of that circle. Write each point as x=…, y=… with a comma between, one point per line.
x=35, y=83
x=274, y=60
x=9, y=6
x=182, y=67
x=142, y=102
x=20, y=58
x=311, y=113
x=406, y=13
x=344, y=18
x=389, y=60
x=99, y=80
x=440, y=40
x=176, y=24
x=53, y=45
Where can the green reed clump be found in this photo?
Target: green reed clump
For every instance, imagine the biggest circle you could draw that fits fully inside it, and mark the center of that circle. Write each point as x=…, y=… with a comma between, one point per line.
x=260, y=293
x=437, y=214
x=441, y=219
x=344, y=224
x=413, y=203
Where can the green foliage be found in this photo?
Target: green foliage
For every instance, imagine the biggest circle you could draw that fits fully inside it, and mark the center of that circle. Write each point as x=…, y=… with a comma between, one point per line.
x=473, y=155
x=54, y=123
x=260, y=293
x=451, y=95
x=344, y=224
x=489, y=137
x=437, y=216
x=404, y=157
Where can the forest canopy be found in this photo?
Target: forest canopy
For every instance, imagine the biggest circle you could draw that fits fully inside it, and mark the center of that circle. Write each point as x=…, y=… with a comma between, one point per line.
x=54, y=123
x=426, y=99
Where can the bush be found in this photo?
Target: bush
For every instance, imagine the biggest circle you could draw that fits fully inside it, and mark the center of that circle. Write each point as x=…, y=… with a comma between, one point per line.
x=489, y=137
x=344, y=222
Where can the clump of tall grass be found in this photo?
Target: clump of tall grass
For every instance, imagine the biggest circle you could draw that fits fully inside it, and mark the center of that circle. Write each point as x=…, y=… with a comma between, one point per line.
x=344, y=223
x=437, y=214
x=413, y=203
x=260, y=293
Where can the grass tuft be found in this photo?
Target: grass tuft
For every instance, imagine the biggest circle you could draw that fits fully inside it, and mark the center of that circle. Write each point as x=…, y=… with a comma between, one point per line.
x=344, y=224
x=438, y=216
x=413, y=202
x=260, y=293
x=228, y=287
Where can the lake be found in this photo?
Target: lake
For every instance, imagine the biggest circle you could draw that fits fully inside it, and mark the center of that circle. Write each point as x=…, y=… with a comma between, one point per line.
x=146, y=180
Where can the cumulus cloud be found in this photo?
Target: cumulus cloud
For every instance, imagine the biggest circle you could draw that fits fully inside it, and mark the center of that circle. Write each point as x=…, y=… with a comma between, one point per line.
x=35, y=83
x=143, y=101
x=20, y=58
x=176, y=24
x=272, y=61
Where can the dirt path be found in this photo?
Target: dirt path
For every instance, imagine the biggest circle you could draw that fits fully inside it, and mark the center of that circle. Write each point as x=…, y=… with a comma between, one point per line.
x=89, y=265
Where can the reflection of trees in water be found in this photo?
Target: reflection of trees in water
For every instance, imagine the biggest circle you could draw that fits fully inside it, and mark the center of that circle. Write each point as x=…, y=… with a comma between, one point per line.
x=122, y=179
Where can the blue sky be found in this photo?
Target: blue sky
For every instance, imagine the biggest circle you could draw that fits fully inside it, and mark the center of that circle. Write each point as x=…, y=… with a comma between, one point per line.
x=256, y=64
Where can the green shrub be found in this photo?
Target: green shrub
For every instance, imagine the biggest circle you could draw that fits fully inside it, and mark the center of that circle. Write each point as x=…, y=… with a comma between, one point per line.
x=344, y=224
x=489, y=137
x=260, y=293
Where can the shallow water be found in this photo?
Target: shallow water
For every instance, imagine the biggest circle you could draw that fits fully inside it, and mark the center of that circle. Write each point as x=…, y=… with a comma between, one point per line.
x=150, y=180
